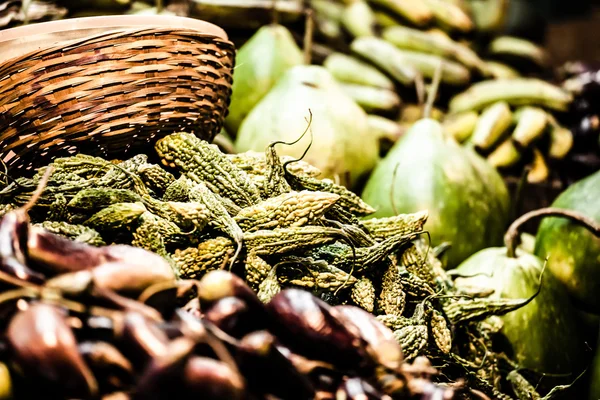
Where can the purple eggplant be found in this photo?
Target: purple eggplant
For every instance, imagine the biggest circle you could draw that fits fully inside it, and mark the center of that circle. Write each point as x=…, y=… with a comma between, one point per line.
x=268, y=371
x=129, y=279
x=141, y=340
x=210, y=379
x=324, y=376
x=312, y=328
x=14, y=230
x=156, y=381
x=219, y=284
x=231, y=315
x=359, y=389
x=45, y=348
x=381, y=344
x=193, y=308
x=59, y=255
x=109, y=365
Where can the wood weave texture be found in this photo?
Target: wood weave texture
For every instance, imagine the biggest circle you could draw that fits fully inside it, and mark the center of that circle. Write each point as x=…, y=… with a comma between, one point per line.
x=112, y=94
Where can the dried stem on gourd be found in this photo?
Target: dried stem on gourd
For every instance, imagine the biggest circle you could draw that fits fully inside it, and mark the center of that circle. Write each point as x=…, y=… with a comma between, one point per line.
x=435, y=85
x=512, y=234
x=274, y=13
x=308, y=37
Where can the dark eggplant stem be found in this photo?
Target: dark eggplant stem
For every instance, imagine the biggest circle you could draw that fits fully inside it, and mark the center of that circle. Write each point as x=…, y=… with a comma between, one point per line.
x=511, y=237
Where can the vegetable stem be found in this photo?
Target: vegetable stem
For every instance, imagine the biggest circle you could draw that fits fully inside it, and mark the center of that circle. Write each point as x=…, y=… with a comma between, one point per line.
x=275, y=13
x=308, y=37
x=512, y=234
x=435, y=85
x=39, y=190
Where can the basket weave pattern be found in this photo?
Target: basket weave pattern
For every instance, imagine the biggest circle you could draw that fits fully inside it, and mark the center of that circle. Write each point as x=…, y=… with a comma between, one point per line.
x=112, y=93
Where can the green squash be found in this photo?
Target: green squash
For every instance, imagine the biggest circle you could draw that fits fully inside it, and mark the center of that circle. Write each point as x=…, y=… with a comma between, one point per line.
x=342, y=144
x=594, y=393
x=545, y=335
x=574, y=252
x=260, y=63
x=466, y=198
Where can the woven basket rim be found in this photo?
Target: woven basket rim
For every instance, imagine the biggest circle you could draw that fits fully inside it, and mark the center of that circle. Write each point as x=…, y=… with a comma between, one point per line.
x=20, y=40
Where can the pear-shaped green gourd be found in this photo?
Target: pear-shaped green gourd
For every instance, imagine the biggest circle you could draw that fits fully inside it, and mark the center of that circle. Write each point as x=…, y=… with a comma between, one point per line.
x=546, y=335
x=342, y=144
x=466, y=199
x=574, y=252
x=260, y=63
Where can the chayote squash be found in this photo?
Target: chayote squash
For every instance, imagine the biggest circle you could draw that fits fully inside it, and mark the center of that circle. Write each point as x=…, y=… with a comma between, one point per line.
x=466, y=198
x=342, y=144
x=545, y=335
x=573, y=251
x=260, y=63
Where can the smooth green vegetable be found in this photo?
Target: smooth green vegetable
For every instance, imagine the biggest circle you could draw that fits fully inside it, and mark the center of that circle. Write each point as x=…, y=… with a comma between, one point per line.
x=573, y=252
x=466, y=199
x=260, y=63
x=341, y=142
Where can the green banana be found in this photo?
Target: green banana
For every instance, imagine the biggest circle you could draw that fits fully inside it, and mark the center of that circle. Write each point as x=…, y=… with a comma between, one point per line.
x=539, y=171
x=452, y=73
x=561, y=140
x=414, y=11
x=501, y=71
x=492, y=123
x=516, y=92
x=489, y=15
x=505, y=155
x=358, y=19
x=411, y=113
x=383, y=128
x=460, y=126
x=372, y=99
x=328, y=17
x=426, y=42
x=384, y=19
x=531, y=124
x=513, y=47
x=328, y=9
x=348, y=69
x=450, y=15
x=387, y=57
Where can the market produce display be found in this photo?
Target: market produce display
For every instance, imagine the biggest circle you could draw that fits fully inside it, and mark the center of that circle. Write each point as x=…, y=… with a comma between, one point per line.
x=350, y=233
x=276, y=225
x=106, y=322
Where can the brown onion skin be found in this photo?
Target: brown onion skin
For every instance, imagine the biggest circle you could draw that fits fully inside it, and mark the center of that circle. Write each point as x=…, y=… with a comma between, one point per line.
x=44, y=346
x=312, y=328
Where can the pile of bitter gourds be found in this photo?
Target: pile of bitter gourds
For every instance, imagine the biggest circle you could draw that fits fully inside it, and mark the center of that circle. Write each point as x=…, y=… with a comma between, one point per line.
x=272, y=221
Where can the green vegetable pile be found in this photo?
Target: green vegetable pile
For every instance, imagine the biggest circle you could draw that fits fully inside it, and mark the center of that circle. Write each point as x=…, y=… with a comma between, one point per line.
x=277, y=225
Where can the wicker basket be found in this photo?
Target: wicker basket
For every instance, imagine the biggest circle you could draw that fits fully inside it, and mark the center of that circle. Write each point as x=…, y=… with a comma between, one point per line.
x=110, y=93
